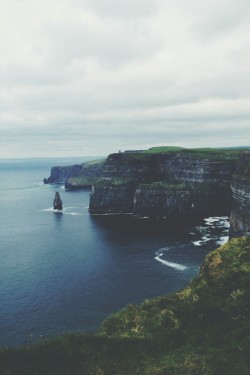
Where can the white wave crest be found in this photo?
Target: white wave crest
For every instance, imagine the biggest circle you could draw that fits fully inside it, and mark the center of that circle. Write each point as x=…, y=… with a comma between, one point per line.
x=176, y=266
x=73, y=213
x=197, y=243
x=51, y=209
x=222, y=240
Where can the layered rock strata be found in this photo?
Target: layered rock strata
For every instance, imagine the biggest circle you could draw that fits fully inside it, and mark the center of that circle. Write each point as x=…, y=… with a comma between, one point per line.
x=164, y=184
x=240, y=186
x=196, y=200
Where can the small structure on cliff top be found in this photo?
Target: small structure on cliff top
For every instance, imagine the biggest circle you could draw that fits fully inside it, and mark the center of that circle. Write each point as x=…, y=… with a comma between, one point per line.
x=57, y=203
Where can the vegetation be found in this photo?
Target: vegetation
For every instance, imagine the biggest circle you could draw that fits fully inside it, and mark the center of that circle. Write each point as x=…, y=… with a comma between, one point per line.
x=154, y=150
x=97, y=161
x=115, y=181
x=181, y=186
x=210, y=153
x=204, y=329
x=80, y=181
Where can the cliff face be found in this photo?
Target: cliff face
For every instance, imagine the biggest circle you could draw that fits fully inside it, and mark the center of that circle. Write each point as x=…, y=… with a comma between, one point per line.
x=180, y=183
x=177, y=200
x=76, y=176
x=60, y=174
x=169, y=166
x=112, y=197
x=240, y=214
x=164, y=184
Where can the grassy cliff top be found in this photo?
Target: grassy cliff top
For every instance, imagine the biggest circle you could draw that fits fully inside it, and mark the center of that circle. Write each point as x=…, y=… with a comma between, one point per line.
x=203, y=329
x=179, y=186
x=210, y=153
x=97, y=161
x=113, y=182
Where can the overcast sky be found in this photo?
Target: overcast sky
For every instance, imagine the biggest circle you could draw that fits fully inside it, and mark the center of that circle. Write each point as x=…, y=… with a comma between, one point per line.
x=90, y=77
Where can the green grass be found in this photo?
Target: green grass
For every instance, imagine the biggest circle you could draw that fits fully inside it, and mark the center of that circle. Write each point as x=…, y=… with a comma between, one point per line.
x=180, y=186
x=81, y=181
x=97, y=161
x=154, y=150
x=113, y=182
x=203, y=329
x=216, y=154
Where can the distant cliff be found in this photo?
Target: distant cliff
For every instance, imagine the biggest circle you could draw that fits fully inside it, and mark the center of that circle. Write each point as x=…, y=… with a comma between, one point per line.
x=166, y=183
x=76, y=176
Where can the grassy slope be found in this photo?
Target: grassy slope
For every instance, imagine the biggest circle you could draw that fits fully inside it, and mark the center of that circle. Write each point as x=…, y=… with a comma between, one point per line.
x=210, y=153
x=84, y=180
x=204, y=329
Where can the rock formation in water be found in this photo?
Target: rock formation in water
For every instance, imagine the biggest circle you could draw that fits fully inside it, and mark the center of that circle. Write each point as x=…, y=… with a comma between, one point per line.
x=240, y=213
x=57, y=203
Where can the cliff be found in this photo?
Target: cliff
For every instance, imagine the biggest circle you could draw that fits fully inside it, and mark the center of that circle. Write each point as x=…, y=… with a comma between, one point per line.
x=240, y=186
x=166, y=183
x=203, y=329
x=181, y=199
x=76, y=176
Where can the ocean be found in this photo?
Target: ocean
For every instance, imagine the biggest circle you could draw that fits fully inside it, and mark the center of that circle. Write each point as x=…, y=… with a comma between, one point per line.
x=65, y=272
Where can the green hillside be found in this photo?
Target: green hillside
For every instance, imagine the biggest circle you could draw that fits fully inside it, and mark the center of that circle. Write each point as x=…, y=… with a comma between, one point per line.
x=203, y=329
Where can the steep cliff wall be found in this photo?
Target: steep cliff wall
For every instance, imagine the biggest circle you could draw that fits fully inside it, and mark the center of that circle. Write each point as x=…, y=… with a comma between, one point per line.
x=112, y=196
x=177, y=166
x=176, y=200
x=199, y=184
x=240, y=214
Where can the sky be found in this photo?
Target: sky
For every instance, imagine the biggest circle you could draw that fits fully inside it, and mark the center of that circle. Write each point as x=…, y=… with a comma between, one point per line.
x=91, y=77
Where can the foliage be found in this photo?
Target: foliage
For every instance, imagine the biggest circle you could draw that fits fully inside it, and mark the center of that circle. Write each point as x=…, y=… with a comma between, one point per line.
x=203, y=329
x=214, y=153
x=115, y=181
x=96, y=161
x=181, y=186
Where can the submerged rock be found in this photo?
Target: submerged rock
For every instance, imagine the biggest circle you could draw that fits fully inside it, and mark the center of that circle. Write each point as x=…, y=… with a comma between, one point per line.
x=57, y=203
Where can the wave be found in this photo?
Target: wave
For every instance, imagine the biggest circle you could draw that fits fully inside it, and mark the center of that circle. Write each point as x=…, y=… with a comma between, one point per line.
x=176, y=266
x=222, y=240
x=73, y=213
x=51, y=209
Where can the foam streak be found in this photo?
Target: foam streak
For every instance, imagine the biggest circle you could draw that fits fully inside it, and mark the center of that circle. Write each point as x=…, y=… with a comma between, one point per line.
x=176, y=266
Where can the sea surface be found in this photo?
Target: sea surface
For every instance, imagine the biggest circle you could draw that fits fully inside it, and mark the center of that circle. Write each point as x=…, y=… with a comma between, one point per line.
x=65, y=272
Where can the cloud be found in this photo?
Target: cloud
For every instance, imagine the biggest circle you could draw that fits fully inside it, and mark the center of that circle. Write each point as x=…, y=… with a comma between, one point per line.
x=80, y=76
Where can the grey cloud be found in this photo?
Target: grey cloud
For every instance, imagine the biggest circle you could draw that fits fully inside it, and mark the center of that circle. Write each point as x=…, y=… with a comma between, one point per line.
x=124, y=75
x=218, y=18
x=123, y=9
x=110, y=46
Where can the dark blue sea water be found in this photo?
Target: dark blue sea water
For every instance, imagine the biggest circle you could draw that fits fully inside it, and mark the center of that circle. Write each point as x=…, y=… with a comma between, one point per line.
x=66, y=272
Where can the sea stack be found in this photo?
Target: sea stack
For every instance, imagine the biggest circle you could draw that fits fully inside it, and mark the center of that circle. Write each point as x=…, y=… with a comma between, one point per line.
x=57, y=203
